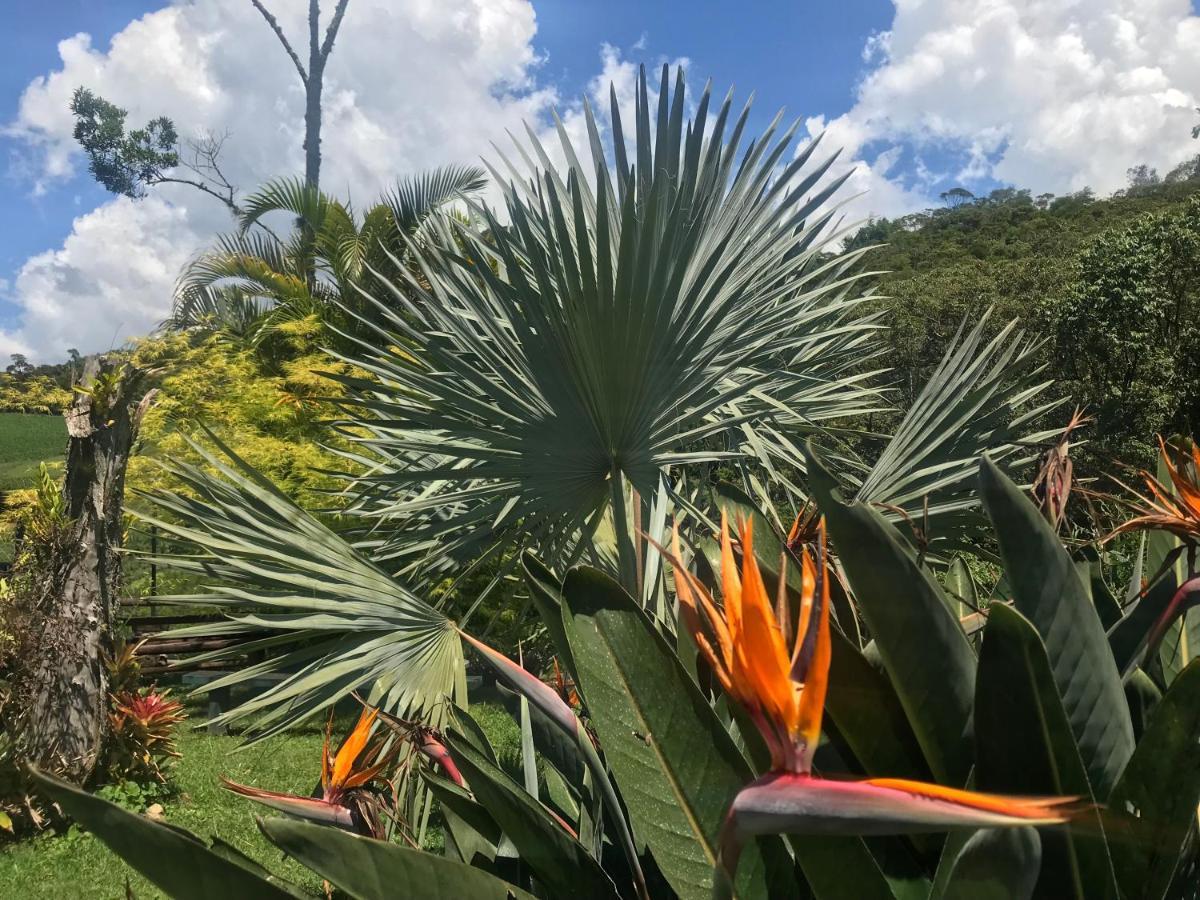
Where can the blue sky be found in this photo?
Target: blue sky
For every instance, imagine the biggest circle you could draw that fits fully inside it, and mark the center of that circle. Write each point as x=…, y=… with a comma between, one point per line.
x=971, y=92
x=806, y=61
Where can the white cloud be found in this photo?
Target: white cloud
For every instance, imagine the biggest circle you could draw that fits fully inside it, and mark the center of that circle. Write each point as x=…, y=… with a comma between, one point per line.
x=1053, y=95
x=411, y=84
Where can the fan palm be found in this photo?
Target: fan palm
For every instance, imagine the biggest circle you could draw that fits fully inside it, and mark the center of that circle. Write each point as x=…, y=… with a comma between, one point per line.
x=557, y=376
x=641, y=314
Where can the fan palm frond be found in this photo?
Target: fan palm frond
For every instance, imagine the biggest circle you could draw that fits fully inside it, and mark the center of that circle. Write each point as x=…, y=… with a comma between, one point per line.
x=648, y=313
x=334, y=621
x=983, y=398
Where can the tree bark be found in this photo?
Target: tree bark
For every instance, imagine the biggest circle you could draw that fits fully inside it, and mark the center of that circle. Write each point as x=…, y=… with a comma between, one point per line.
x=65, y=698
x=312, y=99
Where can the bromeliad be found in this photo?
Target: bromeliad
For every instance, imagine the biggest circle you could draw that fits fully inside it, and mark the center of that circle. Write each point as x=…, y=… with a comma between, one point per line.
x=778, y=672
x=349, y=798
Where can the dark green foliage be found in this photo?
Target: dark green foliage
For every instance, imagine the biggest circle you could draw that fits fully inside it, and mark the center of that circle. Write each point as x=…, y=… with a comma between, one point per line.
x=1126, y=332
x=124, y=162
x=1112, y=283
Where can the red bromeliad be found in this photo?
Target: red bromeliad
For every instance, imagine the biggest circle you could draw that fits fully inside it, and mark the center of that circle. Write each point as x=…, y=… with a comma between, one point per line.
x=349, y=799
x=779, y=674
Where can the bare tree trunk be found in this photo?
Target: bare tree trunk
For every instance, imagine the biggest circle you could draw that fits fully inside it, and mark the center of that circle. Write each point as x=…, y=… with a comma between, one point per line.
x=312, y=99
x=313, y=77
x=65, y=695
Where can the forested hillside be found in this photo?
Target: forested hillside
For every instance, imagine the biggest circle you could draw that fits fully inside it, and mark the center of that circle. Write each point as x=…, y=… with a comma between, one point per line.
x=1112, y=285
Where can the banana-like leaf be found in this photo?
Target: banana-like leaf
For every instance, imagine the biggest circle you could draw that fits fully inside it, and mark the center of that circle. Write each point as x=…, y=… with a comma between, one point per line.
x=342, y=623
x=551, y=851
x=961, y=587
x=547, y=702
x=1047, y=590
x=377, y=870
x=474, y=834
x=175, y=861
x=923, y=647
x=1129, y=638
x=1158, y=793
x=1143, y=695
x=996, y=864
x=1024, y=745
x=677, y=765
x=545, y=590
x=626, y=316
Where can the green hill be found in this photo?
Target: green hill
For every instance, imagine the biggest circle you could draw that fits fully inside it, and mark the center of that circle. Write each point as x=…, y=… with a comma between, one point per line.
x=1112, y=285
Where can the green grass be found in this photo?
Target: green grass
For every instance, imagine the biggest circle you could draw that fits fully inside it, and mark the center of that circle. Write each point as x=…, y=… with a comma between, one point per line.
x=77, y=865
x=25, y=441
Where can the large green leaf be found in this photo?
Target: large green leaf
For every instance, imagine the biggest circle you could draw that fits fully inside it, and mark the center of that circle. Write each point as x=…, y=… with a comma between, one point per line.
x=337, y=622
x=961, y=587
x=375, y=870
x=928, y=658
x=555, y=856
x=1024, y=745
x=677, y=766
x=545, y=589
x=1159, y=791
x=178, y=863
x=1047, y=590
x=996, y=864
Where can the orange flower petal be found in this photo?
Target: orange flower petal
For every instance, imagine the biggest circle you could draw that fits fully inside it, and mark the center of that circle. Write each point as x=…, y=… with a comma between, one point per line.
x=816, y=678
x=343, y=762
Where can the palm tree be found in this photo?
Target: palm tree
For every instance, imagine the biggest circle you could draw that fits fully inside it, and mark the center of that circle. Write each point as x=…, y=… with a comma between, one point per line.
x=253, y=281
x=561, y=376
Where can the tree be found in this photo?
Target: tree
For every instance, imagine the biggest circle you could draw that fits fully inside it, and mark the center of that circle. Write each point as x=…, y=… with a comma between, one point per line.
x=250, y=285
x=1142, y=176
x=129, y=162
x=1127, y=331
x=20, y=367
x=312, y=77
x=123, y=162
x=1187, y=170
x=956, y=197
x=60, y=686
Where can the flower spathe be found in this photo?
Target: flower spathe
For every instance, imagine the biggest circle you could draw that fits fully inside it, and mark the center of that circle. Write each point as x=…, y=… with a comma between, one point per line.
x=1174, y=508
x=779, y=673
x=345, y=775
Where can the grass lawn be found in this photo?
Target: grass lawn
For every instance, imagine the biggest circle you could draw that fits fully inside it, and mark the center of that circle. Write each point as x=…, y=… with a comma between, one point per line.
x=25, y=441
x=76, y=865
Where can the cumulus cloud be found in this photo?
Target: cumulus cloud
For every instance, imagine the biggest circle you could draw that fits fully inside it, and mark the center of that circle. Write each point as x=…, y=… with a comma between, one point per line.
x=1053, y=95
x=411, y=84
